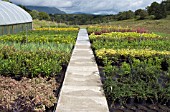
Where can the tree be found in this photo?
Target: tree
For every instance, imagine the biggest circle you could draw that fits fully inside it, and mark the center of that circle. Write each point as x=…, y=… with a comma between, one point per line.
x=129, y=14
x=167, y=5
x=125, y=15
x=6, y=0
x=158, y=10
x=34, y=14
x=141, y=13
x=44, y=16
x=23, y=7
x=163, y=10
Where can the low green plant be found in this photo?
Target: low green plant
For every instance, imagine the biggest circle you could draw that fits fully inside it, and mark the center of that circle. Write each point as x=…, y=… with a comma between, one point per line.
x=135, y=65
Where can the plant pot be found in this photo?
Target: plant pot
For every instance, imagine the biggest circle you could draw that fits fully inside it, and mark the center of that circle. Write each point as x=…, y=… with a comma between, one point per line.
x=118, y=104
x=168, y=103
x=130, y=101
x=151, y=101
x=142, y=101
x=162, y=101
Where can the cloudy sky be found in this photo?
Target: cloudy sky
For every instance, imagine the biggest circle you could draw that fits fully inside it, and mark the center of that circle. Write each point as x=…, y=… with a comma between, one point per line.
x=90, y=6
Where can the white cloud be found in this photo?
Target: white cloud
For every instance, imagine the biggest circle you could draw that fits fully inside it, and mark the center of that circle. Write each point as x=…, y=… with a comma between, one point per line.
x=51, y=3
x=90, y=6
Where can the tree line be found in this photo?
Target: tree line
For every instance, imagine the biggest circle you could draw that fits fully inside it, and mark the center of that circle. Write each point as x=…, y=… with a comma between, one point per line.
x=154, y=11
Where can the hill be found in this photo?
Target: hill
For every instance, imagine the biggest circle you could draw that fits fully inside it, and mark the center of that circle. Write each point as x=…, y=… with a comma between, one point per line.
x=49, y=10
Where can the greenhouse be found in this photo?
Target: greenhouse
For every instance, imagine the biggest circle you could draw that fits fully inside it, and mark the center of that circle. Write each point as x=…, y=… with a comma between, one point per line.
x=13, y=19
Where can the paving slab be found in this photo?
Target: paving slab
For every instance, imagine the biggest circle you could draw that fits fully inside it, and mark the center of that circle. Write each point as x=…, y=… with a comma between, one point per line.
x=82, y=88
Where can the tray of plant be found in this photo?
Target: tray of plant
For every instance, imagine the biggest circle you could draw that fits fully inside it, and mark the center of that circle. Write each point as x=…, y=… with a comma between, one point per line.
x=32, y=68
x=135, y=68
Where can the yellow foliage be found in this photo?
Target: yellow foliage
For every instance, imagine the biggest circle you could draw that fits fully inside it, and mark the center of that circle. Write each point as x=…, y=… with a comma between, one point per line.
x=57, y=29
x=101, y=53
x=120, y=35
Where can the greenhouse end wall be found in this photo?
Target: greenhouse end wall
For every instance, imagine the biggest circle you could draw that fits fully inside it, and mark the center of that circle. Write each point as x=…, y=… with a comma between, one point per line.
x=15, y=28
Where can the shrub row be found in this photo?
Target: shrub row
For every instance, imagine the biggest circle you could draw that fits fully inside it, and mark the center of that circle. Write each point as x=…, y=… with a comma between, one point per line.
x=135, y=66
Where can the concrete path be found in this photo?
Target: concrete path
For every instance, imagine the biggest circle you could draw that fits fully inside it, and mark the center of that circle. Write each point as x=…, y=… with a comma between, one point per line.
x=82, y=89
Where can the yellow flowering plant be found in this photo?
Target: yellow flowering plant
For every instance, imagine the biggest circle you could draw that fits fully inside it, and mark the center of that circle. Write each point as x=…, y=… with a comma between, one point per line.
x=57, y=29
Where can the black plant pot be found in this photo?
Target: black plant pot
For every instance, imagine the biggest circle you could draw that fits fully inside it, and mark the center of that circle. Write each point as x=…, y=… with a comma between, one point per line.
x=162, y=101
x=117, y=104
x=151, y=101
x=168, y=103
x=130, y=101
x=142, y=101
x=116, y=110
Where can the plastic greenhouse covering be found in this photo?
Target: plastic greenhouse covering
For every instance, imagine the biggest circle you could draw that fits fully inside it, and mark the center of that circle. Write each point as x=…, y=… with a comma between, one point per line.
x=12, y=14
x=13, y=19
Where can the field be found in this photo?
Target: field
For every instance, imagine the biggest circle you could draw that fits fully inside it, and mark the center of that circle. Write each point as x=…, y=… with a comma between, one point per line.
x=32, y=68
x=135, y=67
x=133, y=57
x=161, y=25
x=43, y=23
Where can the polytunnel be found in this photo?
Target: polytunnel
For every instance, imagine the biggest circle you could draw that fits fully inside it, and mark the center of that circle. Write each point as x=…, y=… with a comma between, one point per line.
x=13, y=19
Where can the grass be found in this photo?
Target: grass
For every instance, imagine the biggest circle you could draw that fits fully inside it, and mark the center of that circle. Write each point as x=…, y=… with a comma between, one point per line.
x=157, y=26
x=160, y=27
x=43, y=23
x=163, y=34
